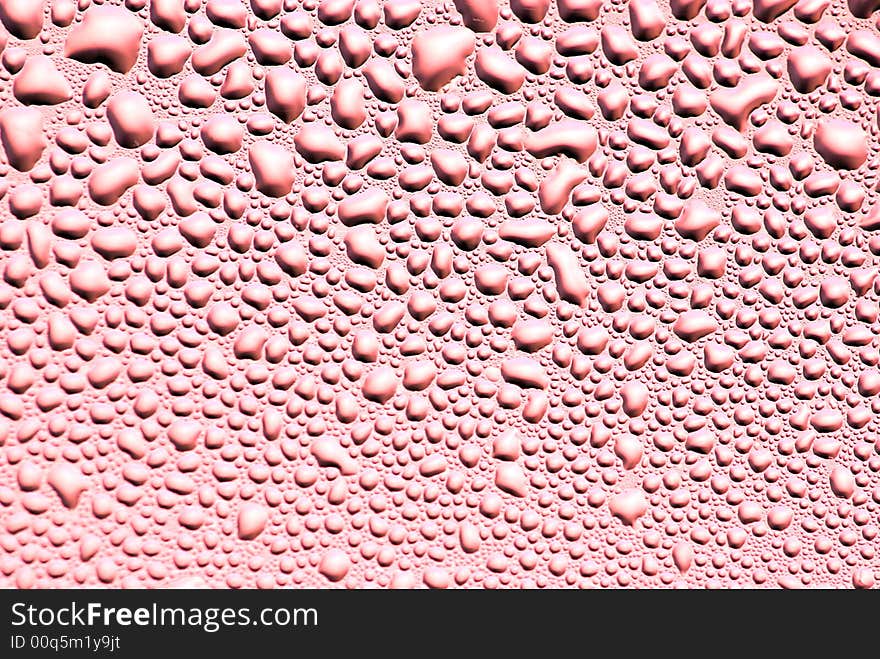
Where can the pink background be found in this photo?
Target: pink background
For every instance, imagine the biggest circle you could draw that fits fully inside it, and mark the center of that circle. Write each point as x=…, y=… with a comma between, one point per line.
x=367, y=293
